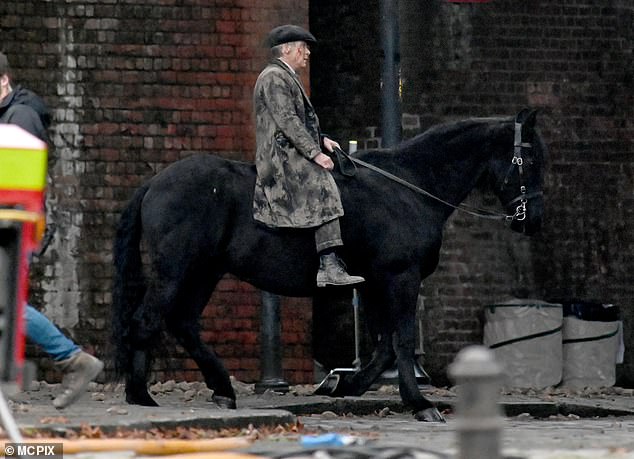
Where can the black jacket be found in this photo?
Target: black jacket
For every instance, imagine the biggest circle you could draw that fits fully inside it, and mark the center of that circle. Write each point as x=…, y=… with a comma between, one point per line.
x=26, y=109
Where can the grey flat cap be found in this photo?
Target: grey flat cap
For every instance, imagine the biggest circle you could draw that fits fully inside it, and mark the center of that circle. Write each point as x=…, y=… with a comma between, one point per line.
x=289, y=33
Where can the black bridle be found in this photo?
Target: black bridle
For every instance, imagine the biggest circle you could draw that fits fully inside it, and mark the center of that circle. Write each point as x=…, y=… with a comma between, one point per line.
x=517, y=161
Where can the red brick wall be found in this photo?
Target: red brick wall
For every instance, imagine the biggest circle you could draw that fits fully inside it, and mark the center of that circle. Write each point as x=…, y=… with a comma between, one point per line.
x=135, y=86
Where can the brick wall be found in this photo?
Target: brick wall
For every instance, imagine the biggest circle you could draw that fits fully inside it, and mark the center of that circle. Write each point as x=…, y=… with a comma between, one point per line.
x=573, y=60
x=137, y=85
x=134, y=86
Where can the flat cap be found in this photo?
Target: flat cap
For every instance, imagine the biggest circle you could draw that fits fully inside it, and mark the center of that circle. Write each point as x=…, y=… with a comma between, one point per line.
x=289, y=33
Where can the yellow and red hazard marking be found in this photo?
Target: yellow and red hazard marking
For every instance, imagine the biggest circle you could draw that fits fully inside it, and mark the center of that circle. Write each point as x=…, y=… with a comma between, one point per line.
x=23, y=168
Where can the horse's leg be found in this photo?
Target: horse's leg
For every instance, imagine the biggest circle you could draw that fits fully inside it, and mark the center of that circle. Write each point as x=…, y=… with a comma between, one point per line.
x=215, y=374
x=383, y=356
x=391, y=304
x=186, y=329
x=144, y=330
x=358, y=383
x=403, y=296
x=136, y=392
x=171, y=267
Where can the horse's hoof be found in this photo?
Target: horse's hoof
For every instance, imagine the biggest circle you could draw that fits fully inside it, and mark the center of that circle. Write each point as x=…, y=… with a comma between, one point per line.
x=224, y=402
x=429, y=415
x=142, y=399
x=328, y=386
x=337, y=384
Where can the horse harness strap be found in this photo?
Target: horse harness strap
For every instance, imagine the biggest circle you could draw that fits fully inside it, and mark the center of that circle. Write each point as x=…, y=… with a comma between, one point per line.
x=483, y=213
x=518, y=161
x=520, y=211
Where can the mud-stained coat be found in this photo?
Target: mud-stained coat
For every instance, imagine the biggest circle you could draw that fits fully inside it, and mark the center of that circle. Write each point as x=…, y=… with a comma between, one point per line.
x=291, y=190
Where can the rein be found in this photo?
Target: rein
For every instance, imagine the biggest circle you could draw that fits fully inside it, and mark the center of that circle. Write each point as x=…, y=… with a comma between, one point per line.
x=517, y=161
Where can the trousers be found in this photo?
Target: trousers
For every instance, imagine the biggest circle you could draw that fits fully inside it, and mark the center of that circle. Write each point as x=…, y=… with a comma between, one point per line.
x=45, y=334
x=328, y=235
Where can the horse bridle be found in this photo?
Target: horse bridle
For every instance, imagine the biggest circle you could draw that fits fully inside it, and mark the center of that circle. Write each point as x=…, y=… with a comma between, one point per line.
x=517, y=161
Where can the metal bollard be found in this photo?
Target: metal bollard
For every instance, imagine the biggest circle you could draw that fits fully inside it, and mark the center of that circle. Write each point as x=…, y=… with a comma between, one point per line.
x=479, y=416
x=271, y=360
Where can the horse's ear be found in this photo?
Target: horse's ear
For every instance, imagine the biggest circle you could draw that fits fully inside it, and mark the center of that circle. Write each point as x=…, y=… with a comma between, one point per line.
x=527, y=117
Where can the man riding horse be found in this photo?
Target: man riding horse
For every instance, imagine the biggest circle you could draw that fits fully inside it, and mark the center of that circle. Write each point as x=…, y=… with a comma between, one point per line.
x=396, y=208
x=294, y=186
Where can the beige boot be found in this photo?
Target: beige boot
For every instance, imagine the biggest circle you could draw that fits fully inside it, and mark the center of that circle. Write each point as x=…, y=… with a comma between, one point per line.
x=333, y=272
x=79, y=369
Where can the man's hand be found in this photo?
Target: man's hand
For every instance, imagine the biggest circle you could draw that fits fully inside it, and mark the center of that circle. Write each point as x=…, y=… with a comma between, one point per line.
x=324, y=161
x=330, y=144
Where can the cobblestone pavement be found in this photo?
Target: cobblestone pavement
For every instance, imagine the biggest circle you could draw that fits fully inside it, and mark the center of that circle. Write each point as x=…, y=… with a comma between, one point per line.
x=522, y=436
x=539, y=425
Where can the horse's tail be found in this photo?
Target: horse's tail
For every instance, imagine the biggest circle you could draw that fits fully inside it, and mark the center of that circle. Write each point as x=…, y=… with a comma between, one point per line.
x=128, y=283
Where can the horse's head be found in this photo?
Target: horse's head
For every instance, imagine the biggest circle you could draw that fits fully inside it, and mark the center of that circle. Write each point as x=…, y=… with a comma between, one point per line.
x=518, y=173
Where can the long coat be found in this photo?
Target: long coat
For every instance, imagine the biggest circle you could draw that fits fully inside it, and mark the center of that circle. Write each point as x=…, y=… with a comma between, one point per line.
x=291, y=190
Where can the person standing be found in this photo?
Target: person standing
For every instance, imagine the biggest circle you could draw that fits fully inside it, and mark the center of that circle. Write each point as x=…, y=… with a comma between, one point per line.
x=294, y=186
x=27, y=110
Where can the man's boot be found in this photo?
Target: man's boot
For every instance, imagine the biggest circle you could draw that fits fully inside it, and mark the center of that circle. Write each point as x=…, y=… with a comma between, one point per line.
x=332, y=272
x=79, y=369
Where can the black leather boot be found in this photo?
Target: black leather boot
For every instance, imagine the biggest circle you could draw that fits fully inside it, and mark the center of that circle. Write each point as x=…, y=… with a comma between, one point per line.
x=332, y=272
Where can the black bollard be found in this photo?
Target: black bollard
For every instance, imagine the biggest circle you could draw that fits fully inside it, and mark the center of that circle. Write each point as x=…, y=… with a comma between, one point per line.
x=271, y=346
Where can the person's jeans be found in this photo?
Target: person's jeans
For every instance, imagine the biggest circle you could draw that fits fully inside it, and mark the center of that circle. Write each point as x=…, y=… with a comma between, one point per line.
x=45, y=334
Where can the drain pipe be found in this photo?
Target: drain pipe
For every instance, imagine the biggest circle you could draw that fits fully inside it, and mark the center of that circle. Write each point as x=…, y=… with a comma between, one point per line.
x=271, y=346
x=390, y=77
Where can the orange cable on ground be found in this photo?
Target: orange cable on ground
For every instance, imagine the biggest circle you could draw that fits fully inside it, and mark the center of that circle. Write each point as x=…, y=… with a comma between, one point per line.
x=145, y=447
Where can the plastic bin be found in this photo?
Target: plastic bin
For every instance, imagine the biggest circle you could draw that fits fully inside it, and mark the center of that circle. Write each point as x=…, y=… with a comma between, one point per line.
x=591, y=338
x=525, y=336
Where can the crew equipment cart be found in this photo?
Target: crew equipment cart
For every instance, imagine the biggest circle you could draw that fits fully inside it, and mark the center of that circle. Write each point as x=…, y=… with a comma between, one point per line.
x=23, y=166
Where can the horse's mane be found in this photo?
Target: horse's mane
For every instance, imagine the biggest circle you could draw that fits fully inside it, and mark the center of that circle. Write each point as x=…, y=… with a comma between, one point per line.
x=426, y=143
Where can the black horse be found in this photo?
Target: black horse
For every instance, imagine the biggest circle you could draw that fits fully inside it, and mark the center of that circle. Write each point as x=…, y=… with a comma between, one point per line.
x=195, y=218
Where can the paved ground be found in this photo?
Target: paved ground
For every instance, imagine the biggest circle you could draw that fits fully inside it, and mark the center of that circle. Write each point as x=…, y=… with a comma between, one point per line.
x=538, y=425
